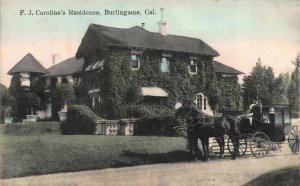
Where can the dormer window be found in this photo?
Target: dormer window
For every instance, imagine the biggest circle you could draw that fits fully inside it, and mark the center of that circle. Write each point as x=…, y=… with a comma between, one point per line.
x=193, y=67
x=165, y=63
x=135, y=61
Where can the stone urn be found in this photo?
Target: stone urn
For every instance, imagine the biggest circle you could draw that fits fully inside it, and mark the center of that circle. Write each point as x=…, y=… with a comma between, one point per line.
x=62, y=115
x=8, y=120
x=31, y=118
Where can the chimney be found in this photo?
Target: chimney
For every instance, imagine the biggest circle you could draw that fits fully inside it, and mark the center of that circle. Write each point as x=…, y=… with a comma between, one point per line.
x=143, y=25
x=162, y=25
x=55, y=58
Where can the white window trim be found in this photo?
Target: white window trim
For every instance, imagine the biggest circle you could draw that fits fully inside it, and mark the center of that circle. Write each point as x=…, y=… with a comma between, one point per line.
x=168, y=57
x=193, y=73
x=203, y=101
x=139, y=61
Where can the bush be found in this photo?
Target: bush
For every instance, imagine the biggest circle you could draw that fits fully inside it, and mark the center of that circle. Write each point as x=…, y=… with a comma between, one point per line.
x=137, y=111
x=158, y=126
x=80, y=120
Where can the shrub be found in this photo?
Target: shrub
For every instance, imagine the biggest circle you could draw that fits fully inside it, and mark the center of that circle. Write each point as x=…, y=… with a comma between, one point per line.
x=158, y=126
x=137, y=111
x=80, y=120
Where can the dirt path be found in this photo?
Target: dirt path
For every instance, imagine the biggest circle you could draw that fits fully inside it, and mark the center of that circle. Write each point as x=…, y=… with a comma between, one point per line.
x=215, y=172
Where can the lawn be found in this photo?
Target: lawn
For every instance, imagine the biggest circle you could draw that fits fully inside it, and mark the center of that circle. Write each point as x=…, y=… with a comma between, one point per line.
x=26, y=152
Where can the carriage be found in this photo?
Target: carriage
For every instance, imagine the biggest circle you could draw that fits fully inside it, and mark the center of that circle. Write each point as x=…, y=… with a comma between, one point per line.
x=265, y=128
x=260, y=130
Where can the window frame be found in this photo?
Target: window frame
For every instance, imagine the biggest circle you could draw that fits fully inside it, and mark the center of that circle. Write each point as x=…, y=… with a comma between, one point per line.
x=202, y=101
x=137, y=59
x=168, y=60
x=193, y=59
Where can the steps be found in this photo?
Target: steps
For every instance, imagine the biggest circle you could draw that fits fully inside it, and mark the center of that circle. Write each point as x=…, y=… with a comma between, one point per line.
x=215, y=149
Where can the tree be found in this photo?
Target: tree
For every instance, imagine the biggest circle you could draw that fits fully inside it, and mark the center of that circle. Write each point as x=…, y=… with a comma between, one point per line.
x=281, y=85
x=260, y=84
x=294, y=90
x=6, y=101
x=32, y=102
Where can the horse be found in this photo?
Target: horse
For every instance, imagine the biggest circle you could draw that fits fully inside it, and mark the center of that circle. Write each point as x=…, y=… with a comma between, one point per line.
x=201, y=126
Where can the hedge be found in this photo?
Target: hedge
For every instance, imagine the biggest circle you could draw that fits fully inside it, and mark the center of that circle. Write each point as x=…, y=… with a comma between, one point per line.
x=80, y=120
x=137, y=111
x=158, y=126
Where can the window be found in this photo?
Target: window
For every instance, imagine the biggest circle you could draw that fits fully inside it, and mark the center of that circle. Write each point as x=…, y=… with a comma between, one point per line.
x=193, y=67
x=201, y=101
x=279, y=116
x=135, y=62
x=165, y=64
x=287, y=115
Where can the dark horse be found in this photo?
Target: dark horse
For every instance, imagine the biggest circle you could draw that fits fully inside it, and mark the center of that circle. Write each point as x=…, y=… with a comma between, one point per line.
x=201, y=126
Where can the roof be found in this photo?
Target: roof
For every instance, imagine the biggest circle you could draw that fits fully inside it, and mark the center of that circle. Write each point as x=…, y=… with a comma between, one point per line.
x=141, y=38
x=27, y=64
x=224, y=69
x=154, y=91
x=66, y=67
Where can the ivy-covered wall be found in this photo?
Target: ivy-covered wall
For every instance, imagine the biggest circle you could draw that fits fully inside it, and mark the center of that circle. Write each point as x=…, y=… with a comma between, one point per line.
x=120, y=85
x=229, y=94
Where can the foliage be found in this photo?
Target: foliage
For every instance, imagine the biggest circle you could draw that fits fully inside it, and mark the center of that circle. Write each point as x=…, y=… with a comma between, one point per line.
x=32, y=101
x=229, y=93
x=6, y=102
x=120, y=86
x=282, y=84
x=80, y=120
x=5, y=98
x=27, y=100
x=137, y=111
x=158, y=126
x=294, y=87
x=259, y=84
x=63, y=93
x=80, y=93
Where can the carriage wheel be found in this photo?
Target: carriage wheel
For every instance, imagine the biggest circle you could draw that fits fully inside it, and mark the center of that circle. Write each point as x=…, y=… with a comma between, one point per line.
x=294, y=139
x=260, y=144
x=242, y=146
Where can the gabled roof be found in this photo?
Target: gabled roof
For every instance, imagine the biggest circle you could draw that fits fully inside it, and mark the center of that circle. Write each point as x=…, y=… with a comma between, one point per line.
x=66, y=67
x=27, y=64
x=224, y=69
x=141, y=38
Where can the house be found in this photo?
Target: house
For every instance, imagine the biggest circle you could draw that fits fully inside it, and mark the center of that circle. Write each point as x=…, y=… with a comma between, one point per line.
x=166, y=69
x=115, y=68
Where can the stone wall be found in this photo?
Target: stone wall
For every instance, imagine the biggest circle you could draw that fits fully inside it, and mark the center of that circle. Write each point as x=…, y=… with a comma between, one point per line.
x=116, y=127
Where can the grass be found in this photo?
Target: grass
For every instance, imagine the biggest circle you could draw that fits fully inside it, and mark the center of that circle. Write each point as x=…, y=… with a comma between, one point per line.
x=39, y=128
x=31, y=154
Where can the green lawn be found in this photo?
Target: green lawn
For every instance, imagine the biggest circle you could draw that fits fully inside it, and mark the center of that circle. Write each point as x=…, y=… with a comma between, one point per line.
x=31, y=154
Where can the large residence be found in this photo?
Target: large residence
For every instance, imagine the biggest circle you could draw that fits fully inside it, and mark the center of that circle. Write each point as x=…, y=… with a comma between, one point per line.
x=117, y=67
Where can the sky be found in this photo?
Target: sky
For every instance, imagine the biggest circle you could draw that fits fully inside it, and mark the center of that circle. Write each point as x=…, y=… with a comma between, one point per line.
x=241, y=30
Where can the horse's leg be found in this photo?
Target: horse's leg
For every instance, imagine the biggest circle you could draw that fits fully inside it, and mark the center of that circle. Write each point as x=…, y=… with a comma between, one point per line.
x=222, y=146
x=221, y=143
x=207, y=147
x=203, y=148
x=235, y=147
x=197, y=150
